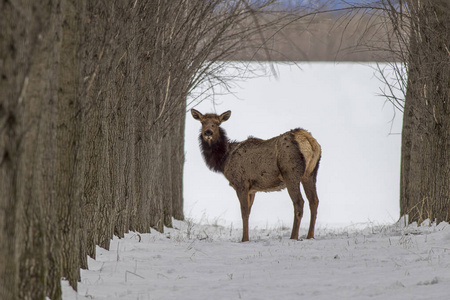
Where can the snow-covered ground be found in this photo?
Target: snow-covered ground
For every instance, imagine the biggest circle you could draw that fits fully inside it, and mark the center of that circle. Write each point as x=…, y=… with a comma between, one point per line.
x=194, y=261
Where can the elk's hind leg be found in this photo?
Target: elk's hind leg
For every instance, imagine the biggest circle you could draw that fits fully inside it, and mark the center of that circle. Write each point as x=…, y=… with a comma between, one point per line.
x=311, y=193
x=291, y=164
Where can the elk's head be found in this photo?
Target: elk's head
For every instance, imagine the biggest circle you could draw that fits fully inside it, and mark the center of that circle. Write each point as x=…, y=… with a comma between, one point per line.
x=210, y=125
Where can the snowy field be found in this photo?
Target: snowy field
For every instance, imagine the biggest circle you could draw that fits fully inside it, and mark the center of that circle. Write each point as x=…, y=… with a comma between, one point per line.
x=360, y=251
x=194, y=261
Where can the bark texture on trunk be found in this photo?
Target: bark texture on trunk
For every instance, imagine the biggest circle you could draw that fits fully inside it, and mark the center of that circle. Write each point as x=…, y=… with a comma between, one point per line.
x=425, y=166
x=29, y=58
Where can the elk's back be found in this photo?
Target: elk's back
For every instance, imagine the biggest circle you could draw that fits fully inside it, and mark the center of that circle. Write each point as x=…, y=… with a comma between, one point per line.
x=259, y=165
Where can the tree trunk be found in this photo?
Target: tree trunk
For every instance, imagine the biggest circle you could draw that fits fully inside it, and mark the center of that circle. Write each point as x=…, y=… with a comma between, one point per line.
x=177, y=161
x=30, y=59
x=425, y=166
x=12, y=83
x=68, y=184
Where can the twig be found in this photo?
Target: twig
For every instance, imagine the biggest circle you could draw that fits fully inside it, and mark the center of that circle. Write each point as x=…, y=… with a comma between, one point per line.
x=126, y=275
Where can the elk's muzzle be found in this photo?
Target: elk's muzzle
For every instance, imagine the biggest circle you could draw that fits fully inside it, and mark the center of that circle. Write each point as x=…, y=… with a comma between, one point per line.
x=208, y=133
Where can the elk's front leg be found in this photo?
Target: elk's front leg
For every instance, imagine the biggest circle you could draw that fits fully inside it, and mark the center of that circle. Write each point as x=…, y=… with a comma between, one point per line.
x=246, y=200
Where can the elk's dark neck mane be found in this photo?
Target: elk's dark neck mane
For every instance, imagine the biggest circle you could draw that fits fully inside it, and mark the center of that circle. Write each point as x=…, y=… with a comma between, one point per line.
x=216, y=153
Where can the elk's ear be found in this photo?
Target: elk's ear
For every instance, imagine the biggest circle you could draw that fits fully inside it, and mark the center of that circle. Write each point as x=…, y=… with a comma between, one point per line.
x=225, y=116
x=196, y=114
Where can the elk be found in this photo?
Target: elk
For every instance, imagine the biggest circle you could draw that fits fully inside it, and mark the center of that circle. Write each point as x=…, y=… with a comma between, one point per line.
x=257, y=165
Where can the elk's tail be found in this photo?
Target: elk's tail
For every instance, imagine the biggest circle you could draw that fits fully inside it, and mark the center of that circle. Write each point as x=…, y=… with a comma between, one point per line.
x=310, y=149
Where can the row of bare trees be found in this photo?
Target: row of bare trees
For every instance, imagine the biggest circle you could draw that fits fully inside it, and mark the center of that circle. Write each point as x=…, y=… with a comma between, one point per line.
x=93, y=101
x=325, y=35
